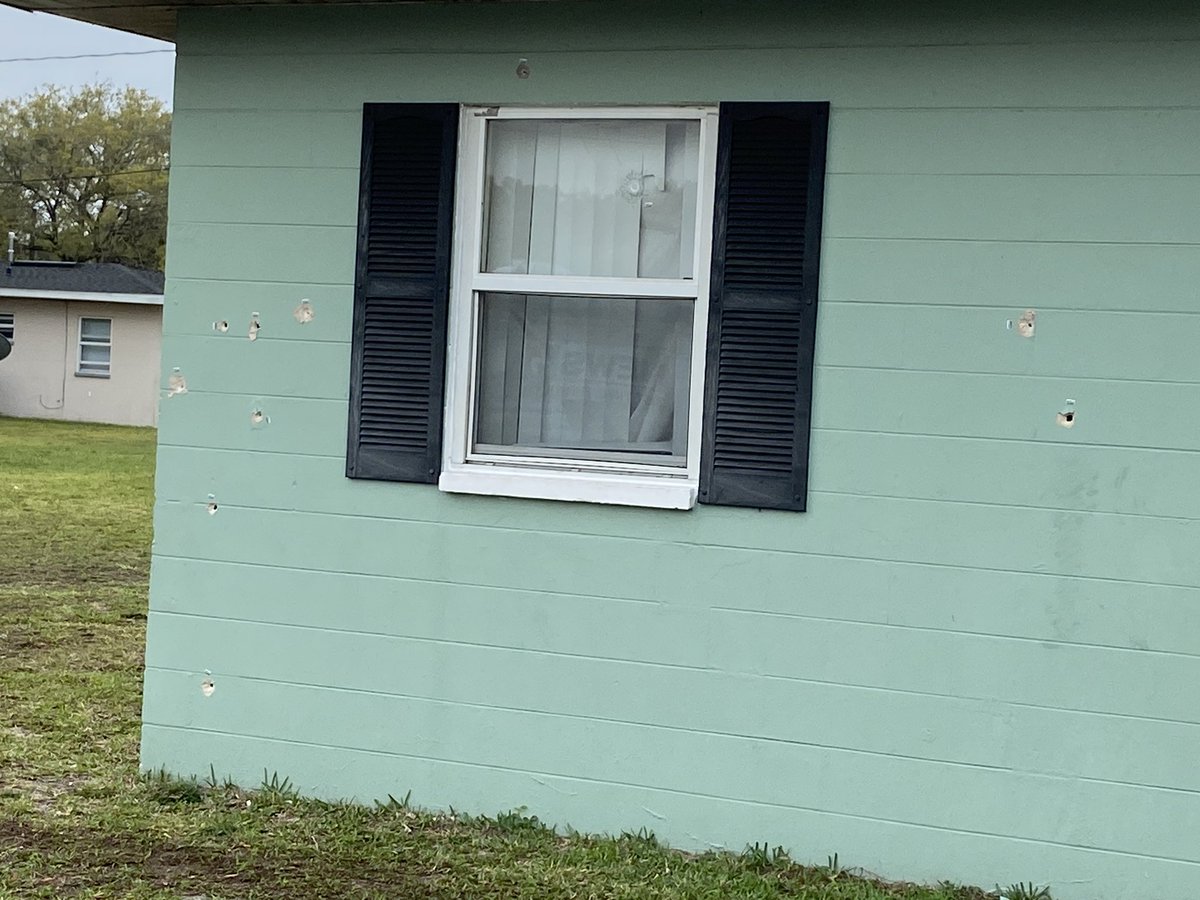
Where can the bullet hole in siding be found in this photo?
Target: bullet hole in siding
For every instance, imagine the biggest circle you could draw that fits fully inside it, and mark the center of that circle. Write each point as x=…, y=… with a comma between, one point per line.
x=1025, y=323
x=255, y=325
x=221, y=326
x=211, y=506
x=258, y=418
x=1066, y=416
x=176, y=383
x=303, y=313
x=207, y=686
x=523, y=69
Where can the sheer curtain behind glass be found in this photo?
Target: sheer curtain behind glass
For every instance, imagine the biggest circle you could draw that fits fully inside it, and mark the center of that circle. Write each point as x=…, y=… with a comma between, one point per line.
x=584, y=377
x=576, y=376
x=615, y=198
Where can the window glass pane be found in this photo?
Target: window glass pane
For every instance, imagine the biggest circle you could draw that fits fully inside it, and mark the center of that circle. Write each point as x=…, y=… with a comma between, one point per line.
x=598, y=197
x=91, y=354
x=584, y=377
x=95, y=329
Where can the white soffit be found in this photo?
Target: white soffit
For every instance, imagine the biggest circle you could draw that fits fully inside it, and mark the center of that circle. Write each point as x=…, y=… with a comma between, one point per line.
x=81, y=296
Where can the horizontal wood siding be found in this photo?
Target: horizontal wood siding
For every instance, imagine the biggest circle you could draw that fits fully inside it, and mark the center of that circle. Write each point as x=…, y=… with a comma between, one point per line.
x=976, y=656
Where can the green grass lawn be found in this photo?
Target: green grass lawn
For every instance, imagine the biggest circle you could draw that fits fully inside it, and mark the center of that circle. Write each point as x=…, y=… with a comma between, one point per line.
x=77, y=819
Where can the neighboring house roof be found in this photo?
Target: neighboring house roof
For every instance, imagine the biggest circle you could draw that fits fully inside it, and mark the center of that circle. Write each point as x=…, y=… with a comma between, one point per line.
x=104, y=282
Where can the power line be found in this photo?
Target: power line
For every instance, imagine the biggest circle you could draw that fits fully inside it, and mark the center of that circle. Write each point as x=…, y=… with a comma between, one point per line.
x=85, y=175
x=21, y=59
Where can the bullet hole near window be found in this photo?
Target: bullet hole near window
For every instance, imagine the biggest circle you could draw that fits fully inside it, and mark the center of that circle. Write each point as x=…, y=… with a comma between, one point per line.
x=1026, y=322
x=258, y=417
x=221, y=326
x=176, y=383
x=255, y=325
x=523, y=69
x=1066, y=416
x=207, y=686
x=211, y=506
x=303, y=313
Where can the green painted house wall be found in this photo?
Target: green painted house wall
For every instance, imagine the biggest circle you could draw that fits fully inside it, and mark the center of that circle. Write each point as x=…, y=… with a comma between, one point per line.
x=976, y=656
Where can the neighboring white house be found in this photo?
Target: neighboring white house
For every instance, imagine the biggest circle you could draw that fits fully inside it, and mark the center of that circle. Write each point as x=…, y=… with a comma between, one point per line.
x=86, y=341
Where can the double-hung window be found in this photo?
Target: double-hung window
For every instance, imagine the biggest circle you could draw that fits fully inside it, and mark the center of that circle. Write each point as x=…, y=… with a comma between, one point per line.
x=95, y=347
x=609, y=305
x=578, y=309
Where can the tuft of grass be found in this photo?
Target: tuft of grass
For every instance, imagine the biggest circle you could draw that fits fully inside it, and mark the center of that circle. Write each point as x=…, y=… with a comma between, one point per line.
x=1021, y=891
x=78, y=820
x=164, y=788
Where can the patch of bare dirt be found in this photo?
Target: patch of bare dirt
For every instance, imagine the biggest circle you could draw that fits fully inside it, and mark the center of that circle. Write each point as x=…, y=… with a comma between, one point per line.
x=42, y=791
x=87, y=862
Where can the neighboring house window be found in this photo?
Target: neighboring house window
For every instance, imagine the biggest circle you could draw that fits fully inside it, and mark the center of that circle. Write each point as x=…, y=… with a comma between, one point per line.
x=95, y=347
x=633, y=306
x=7, y=326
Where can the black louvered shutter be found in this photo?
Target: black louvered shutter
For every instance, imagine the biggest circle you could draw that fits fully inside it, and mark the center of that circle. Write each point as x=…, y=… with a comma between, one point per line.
x=763, y=308
x=401, y=291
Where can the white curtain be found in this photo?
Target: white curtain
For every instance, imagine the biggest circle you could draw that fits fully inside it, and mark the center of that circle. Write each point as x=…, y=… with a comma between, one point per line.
x=606, y=376
x=614, y=198
x=603, y=198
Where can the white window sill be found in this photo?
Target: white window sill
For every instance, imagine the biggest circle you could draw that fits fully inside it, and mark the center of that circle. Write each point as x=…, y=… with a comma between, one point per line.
x=659, y=492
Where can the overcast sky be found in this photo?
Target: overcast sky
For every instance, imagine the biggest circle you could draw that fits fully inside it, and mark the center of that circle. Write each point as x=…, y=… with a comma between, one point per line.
x=26, y=35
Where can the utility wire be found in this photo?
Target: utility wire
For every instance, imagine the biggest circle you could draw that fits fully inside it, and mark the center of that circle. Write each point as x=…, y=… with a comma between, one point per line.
x=21, y=59
x=85, y=175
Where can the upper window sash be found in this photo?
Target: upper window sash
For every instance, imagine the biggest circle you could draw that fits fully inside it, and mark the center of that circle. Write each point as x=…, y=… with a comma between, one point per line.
x=473, y=179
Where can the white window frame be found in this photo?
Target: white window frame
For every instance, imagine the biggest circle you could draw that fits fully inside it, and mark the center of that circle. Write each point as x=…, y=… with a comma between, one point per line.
x=80, y=372
x=8, y=326
x=595, y=481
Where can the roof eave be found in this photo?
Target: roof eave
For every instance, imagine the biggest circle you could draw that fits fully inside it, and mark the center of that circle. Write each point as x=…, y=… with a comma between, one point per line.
x=80, y=296
x=156, y=19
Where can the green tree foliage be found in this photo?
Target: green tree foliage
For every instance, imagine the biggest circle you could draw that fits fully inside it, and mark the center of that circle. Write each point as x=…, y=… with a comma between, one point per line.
x=83, y=174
